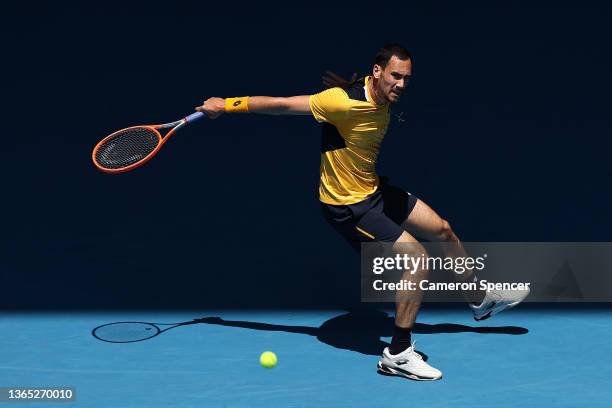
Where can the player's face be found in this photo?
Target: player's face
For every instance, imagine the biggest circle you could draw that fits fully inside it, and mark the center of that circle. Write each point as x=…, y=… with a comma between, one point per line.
x=393, y=79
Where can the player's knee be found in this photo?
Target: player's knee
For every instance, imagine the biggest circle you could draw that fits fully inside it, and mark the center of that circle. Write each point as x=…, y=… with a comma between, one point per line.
x=416, y=256
x=445, y=232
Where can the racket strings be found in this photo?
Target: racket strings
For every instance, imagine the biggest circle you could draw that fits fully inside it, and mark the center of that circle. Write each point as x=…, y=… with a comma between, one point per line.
x=127, y=147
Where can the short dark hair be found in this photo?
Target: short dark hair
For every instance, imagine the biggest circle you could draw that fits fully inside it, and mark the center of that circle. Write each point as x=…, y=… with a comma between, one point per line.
x=387, y=51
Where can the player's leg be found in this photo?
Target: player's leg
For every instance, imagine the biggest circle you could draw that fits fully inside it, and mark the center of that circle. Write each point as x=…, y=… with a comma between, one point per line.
x=418, y=219
x=401, y=358
x=408, y=302
x=424, y=222
x=367, y=222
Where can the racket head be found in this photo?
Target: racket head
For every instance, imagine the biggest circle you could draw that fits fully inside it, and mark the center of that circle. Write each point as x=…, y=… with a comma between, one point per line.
x=126, y=332
x=126, y=149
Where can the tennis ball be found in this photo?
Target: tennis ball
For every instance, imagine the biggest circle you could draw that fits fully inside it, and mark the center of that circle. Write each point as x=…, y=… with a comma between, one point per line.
x=268, y=359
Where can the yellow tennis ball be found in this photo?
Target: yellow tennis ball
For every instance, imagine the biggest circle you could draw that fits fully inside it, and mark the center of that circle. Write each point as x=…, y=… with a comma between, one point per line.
x=268, y=359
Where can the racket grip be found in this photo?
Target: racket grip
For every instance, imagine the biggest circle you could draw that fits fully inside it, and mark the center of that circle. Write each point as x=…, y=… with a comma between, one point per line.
x=194, y=116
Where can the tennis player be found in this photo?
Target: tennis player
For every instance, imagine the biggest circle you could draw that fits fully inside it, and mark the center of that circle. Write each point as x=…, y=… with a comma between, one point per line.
x=358, y=203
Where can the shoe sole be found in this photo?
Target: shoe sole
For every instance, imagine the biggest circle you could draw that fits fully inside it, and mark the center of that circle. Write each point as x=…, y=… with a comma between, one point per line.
x=500, y=308
x=383, y=369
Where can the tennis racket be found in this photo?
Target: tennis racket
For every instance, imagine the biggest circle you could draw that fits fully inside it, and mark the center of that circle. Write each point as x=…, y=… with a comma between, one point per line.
x=131, y=332
x=132, y=147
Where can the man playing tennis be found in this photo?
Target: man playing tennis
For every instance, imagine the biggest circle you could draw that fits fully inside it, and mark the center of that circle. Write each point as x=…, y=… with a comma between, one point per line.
x=358, y=203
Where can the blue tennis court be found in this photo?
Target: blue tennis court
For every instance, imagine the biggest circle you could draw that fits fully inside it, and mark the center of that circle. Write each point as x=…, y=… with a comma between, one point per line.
x=522, y=358
x=234, y=233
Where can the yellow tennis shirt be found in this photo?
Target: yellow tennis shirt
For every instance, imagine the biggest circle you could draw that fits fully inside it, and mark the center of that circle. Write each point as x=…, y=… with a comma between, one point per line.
x=353, y=129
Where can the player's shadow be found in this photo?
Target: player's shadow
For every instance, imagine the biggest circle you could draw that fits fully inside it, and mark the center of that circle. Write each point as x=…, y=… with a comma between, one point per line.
x=361, y=330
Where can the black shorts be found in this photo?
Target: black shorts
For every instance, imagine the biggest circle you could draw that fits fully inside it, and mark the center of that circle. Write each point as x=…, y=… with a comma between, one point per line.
x=377, y=218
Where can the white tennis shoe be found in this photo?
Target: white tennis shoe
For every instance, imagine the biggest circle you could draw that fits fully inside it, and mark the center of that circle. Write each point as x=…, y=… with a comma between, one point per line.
x=407, y=364
x=496, y=301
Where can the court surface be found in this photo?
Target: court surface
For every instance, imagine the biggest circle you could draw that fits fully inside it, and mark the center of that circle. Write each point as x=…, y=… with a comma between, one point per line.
x=520, y=358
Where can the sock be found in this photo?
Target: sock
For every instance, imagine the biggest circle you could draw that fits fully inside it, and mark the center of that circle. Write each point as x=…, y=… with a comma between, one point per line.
x=401, y=340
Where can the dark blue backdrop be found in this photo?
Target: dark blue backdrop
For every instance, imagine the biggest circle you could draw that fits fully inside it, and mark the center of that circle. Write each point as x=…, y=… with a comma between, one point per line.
x=507, y=135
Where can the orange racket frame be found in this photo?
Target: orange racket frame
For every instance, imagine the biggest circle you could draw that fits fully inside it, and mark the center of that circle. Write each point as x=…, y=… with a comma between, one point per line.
x=154, y=128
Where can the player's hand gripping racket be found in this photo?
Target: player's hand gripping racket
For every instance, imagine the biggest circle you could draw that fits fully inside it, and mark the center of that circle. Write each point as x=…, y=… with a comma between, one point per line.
x=131, y=147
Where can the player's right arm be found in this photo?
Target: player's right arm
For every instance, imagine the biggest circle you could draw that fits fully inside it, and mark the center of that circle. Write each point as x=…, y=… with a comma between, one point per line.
x=326, y=106
x=292, y=105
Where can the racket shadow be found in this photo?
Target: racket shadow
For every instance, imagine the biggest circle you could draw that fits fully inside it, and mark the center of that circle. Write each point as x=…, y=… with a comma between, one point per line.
x=133, y=332
x=358, y=330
